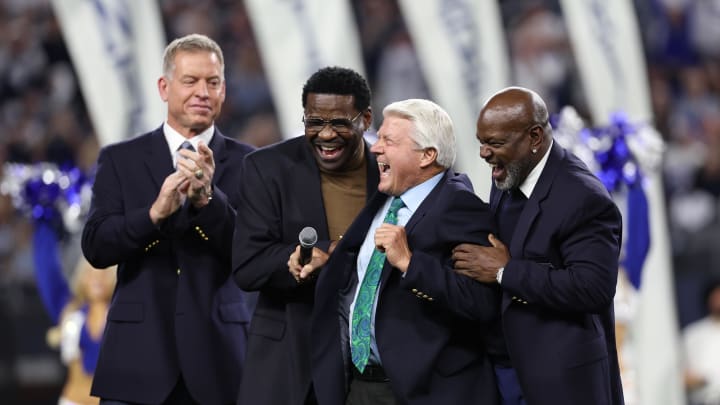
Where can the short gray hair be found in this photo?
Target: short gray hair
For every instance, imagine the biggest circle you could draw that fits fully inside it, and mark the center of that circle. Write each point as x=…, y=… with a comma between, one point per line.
x=433, y=127
x=191, y=43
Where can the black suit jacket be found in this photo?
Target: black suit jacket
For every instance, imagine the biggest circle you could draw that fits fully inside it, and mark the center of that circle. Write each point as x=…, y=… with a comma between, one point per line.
x=429, y=324
x=176, y=308
x=559, y=285
x=280, y=195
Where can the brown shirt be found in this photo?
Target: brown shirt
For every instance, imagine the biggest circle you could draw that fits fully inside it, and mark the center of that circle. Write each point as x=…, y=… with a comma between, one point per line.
x=344, y=195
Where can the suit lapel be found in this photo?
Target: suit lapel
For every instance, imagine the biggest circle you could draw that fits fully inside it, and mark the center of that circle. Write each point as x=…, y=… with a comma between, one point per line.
x=495, y=197
x=416, y=218
x=426, y=205
x=308, y=173
x=532, y=206
x=157, y=157
x=217, y=145
x=373, y=174
x=355, y=236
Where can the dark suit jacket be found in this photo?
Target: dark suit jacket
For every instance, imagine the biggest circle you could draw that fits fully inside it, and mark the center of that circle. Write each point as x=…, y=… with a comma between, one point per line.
x=429, y=325
x=280, y=195
x=559, y=285
x=176, y=308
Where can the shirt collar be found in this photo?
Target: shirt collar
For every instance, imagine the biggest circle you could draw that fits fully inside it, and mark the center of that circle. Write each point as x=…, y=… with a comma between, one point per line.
x=174, y=139
x=414, y=196
x=531, y=180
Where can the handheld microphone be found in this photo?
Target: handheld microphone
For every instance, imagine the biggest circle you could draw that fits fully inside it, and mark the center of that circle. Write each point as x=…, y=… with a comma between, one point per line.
x=308, y=238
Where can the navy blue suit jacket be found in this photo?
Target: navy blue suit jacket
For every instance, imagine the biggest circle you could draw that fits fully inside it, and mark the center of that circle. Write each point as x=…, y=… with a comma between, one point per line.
x=176, y=308
x=280, y=194
x=557, y=310
x=430, y=324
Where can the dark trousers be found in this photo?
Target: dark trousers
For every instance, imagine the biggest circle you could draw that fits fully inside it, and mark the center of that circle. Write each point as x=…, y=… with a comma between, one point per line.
x=310, y=399
x=372, y=387
x=178, y=396
x=509, y=386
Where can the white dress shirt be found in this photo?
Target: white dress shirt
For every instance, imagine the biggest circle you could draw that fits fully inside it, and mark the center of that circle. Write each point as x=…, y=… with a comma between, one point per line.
x=174, y=139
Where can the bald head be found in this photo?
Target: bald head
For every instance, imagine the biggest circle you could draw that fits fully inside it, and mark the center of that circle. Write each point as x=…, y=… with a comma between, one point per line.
x=519, y=105
x=514, y=133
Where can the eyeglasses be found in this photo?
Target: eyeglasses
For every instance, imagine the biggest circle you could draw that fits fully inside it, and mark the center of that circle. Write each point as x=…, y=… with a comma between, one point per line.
x=339, y=125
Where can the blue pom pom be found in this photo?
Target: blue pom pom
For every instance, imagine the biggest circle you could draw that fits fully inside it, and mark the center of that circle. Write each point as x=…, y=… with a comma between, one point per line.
x=47, y=193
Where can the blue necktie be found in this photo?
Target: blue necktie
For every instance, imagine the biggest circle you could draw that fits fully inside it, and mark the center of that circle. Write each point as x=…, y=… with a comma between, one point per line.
x=362, y=315
x=511, y=207
x=185, y=145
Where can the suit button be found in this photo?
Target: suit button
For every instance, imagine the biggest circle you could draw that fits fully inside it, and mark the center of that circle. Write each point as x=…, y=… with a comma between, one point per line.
x=178, y=272
x=414, y=290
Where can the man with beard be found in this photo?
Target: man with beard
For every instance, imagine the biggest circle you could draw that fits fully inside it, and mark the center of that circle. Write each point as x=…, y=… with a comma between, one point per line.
x=557, y=263
x=320, y=180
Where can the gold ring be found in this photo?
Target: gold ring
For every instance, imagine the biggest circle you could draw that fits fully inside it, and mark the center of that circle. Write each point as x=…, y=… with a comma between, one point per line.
x=199, y=174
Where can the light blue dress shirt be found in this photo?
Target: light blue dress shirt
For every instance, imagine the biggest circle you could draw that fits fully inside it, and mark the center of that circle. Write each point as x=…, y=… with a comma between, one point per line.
x=412, y=199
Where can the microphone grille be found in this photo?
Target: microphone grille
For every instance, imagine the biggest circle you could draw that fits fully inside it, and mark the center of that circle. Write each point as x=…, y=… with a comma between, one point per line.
x=308, y=236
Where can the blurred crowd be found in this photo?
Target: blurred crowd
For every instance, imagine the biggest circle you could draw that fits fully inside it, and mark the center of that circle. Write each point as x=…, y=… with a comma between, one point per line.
x=43, y=118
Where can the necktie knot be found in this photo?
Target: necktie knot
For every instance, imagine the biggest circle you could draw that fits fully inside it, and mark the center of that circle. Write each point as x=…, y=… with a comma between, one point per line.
x=395, y=205
x=517, y=195
x=187, y=145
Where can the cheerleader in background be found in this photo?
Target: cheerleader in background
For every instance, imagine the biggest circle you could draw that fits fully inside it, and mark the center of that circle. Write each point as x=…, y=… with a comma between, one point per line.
x=79, y=310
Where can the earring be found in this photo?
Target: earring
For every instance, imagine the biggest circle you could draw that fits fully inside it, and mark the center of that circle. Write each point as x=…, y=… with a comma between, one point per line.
x=534, y=151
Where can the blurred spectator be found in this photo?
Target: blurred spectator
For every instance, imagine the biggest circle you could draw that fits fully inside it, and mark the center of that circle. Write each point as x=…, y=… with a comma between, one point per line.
x=260, y=130
x=702, y=348
x=78, y=309
x=541, y=56
x=398, y=75
x=43, y=116
x=392, y=65
x=708, y=176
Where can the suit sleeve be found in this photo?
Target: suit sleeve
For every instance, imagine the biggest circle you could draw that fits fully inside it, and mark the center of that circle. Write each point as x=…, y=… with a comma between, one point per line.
x=467, y=220
x=214, y=224
x=585, y=251
x=112, y=234
x=260, y=253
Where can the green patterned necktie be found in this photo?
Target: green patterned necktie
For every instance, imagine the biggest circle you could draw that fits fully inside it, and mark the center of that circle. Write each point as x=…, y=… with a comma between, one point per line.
x=360, y=341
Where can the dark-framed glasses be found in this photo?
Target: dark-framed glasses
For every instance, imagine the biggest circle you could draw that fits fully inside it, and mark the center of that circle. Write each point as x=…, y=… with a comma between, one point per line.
x=340, y=125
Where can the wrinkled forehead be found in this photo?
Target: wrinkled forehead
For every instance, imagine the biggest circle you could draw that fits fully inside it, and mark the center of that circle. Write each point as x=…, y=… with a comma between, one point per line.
x=512, y=118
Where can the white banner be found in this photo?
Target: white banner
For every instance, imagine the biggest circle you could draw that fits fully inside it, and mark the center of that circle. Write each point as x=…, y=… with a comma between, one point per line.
x=116, y=47
x=609, y=54
x=296, y=38
x=462, y=53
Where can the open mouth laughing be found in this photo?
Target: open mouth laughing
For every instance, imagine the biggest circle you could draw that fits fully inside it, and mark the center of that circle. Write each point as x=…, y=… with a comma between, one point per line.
x=384, y=169
x=329, y=151
x=498, y=171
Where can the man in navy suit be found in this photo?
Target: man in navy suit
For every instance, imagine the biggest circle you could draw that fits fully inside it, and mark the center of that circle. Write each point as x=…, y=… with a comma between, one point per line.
x=557, y=263
x=176, y=329
x=417, y=336
x=322, y=180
